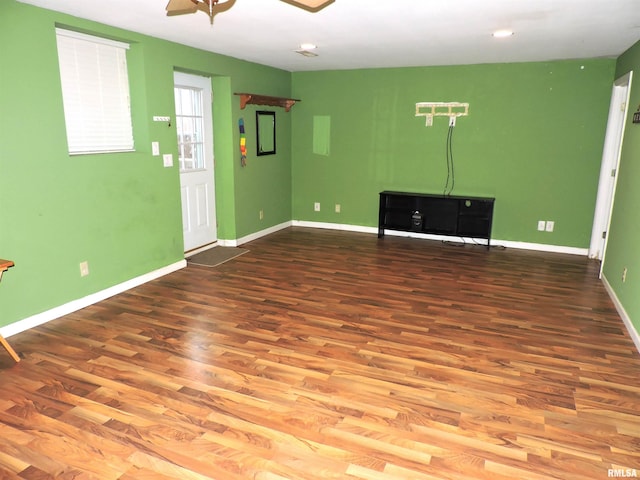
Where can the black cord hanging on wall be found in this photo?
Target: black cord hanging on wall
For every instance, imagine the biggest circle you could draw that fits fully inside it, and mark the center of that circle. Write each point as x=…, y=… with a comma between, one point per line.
x=451, y=176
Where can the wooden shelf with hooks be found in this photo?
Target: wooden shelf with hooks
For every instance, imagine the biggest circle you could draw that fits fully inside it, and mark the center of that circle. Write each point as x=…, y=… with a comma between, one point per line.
x=255, y=99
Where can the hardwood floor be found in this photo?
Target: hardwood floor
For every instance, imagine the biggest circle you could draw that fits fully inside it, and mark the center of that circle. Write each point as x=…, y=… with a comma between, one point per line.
x=324, y=354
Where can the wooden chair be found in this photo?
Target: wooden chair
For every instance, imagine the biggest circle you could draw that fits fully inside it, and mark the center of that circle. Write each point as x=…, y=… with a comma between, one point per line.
x=4, y=265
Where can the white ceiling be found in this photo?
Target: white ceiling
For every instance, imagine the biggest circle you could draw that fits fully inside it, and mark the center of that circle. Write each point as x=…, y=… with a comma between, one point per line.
x=377, y=33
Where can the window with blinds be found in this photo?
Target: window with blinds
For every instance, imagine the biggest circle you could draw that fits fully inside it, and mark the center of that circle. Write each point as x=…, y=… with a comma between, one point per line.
x=95, y=91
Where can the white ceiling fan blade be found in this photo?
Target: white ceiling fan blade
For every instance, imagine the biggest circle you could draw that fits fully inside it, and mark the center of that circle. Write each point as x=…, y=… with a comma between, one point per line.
x=310, y=5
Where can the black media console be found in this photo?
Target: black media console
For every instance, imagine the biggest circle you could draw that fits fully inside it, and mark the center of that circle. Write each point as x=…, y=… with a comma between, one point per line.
x=449, y=215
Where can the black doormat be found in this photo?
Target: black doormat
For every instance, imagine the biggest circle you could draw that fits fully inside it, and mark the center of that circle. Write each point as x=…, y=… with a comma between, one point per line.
x=216, y=256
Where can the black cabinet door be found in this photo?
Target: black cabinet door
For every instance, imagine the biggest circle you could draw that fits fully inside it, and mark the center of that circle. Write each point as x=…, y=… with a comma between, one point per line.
x=440, y=215
x=474, y=218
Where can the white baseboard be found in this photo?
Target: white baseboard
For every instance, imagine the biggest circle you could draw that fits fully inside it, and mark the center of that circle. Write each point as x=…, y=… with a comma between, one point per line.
x=542, y=247
x=75, y=305
x=254, y=236
x=502, y=243
x=635, y=336
x=335, y=226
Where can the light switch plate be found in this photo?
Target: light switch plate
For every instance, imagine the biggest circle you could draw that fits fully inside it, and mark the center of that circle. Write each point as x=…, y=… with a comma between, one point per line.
x=155, y=148
x=167, y=160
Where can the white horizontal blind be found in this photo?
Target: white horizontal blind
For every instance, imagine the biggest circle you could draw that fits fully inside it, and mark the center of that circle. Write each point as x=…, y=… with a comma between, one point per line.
x=95, y=91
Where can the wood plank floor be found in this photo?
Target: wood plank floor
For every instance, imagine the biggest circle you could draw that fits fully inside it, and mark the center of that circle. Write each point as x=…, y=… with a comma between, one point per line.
x=323, y=354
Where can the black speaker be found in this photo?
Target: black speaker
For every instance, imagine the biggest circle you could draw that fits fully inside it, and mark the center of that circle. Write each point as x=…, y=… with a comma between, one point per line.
x=416, y=221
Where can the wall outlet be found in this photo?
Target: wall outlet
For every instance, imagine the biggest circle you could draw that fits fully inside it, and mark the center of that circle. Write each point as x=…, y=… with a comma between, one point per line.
x=624, y=275
x=541, y=225
x=261, y=214
x=167, y=160
x=550, y=225
x=337, y=208
x=316, y=207
x=84, y=269
x=155, y=149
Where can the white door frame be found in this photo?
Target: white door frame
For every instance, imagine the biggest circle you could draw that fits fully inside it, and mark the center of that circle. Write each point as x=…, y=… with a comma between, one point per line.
x=618, y=109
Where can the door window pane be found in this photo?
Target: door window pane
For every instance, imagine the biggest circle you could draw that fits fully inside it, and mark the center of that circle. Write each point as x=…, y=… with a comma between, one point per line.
x=190, y=125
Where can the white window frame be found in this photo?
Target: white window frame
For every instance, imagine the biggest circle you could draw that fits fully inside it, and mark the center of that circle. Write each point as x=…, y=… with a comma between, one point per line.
x=95, y=92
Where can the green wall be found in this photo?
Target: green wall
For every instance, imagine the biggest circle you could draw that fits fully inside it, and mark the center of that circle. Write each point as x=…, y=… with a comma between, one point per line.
x=120, y=212
x=623, y=246
x=533, y=139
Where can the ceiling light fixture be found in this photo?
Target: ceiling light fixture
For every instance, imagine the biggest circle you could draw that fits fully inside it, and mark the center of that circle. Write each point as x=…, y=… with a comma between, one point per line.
x=502, y=33
x=306, y=50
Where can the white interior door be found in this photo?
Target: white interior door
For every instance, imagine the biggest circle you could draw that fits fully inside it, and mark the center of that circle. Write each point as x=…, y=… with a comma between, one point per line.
x=609, y=168
x=195, y=156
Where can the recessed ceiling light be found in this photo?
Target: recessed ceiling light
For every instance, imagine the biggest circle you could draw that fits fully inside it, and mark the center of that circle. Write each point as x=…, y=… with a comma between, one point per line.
x=502, y=33
x=307, y=46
